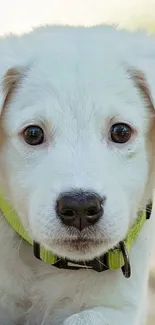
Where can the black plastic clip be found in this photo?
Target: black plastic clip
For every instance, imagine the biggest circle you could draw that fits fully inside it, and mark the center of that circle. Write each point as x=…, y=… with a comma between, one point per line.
x=126, y=268
x=36, y=250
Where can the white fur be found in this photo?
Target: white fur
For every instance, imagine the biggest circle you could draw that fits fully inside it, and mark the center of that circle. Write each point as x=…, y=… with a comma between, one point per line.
x=75, y=85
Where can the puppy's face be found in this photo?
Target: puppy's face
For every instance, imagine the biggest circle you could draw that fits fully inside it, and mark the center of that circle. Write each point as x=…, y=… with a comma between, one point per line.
x=74, y=153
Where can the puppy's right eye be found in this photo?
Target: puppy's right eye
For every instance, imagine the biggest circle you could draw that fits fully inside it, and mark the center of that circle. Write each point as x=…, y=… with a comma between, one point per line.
x=120, y=133
x=33, y=135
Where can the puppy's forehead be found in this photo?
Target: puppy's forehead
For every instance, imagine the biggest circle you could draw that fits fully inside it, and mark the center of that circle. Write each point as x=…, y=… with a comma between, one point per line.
x=78, y=90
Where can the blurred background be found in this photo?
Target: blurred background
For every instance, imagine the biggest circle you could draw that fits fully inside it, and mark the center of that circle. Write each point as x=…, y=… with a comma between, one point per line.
x=18, y=16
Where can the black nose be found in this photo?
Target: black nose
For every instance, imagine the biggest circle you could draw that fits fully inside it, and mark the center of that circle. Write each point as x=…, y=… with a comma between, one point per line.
x=79, y=209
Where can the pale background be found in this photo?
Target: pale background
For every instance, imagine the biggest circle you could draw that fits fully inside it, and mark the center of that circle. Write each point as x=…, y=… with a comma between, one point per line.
x=18, y=16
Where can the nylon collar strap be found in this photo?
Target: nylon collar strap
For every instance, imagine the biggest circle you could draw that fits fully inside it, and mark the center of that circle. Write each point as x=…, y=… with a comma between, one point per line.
x=114, y=258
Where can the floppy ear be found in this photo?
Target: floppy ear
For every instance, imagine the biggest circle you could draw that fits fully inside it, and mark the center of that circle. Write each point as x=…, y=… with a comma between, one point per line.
x=142, y=85
x=145, y=90
x=10, y=83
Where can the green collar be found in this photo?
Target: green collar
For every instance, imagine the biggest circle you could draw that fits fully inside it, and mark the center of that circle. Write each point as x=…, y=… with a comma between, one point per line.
x=115, y=258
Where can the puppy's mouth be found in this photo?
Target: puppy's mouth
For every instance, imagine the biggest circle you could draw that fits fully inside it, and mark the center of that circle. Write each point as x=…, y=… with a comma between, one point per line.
x=81, y=244
x=73, y=244
x=79, y=248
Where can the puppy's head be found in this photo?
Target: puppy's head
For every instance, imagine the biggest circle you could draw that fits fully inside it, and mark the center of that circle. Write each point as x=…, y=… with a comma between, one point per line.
x=76, y=151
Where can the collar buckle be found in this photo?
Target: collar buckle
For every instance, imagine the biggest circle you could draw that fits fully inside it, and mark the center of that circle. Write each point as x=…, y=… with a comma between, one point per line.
x=98, y=265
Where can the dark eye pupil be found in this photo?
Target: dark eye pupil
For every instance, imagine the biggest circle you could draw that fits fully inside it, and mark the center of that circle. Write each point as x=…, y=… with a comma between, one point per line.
x=120, y=133
x=33, y=135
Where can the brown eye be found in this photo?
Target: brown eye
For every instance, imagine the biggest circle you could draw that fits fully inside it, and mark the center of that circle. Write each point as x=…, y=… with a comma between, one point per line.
x=33, y=135
x=120, y=133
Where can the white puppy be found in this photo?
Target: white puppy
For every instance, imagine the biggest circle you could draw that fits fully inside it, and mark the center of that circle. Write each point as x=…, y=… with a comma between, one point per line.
x=77, y=168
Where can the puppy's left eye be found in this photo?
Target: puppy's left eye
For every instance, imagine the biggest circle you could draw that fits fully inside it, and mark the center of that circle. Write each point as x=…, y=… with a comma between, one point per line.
x=120, y=133
x=33, y=135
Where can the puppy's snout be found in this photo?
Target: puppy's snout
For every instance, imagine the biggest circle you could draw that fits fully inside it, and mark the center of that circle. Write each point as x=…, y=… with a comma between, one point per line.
x=79, y=209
